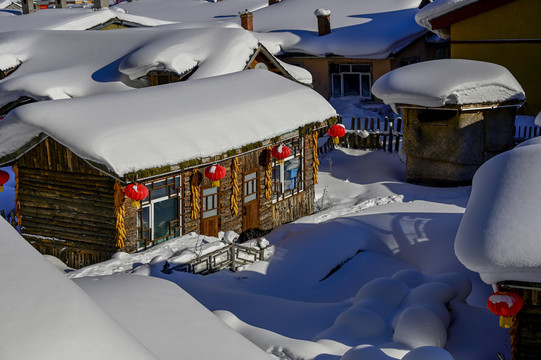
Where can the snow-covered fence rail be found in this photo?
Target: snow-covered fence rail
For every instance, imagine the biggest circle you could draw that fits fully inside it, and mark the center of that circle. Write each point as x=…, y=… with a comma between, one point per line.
x=525, y=132
x=231, y=256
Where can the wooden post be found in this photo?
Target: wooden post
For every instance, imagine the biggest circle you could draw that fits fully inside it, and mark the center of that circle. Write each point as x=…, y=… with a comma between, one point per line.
x=232, y=266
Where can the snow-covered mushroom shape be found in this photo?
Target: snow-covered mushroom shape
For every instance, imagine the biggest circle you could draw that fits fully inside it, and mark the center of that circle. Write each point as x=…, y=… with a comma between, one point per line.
x=136, y=192
x=280, y=152
x=4, y=177
x=506, y=305
x=215, y=173
x=336, y=132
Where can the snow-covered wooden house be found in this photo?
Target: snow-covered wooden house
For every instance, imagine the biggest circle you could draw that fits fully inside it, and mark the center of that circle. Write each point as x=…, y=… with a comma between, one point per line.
x=73, y=157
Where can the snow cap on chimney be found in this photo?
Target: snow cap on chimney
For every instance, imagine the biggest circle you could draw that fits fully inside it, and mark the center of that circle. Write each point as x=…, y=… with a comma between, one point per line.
x=323, y=21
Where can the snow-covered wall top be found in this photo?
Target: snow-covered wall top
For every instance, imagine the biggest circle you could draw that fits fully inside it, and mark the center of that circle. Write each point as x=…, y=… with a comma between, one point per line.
x=168, y=124
x=73, y=19
x=375, y=29
x=499, y=233
x=439, y=8
x=448, y=82
x=66, y=64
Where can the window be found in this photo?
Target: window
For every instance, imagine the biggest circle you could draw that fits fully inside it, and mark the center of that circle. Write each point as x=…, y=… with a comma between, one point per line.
x=288, y=178
x=160, y=216
x=351, y=80
x=210, y=202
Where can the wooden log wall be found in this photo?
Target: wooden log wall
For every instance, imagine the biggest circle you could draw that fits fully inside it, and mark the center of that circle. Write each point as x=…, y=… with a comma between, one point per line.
x=66, y=206
x=526, y=330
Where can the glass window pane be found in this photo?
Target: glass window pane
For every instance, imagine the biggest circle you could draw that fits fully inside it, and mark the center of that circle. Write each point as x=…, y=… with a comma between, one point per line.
x=345, y=68
x=336, y=85
x=360, y=68
x=159, y=193
x=209, y=191
x=164, y=212
x=145, y=213
x=210, y=213
x=366, y=85
x=250, y=197
x=250, y=176
x=291, y=172
x=352, y=85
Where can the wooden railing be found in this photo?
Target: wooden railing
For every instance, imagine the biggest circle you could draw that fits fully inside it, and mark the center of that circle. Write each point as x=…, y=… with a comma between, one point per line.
x=232, y=256
x=523, y=133
x=369, y=134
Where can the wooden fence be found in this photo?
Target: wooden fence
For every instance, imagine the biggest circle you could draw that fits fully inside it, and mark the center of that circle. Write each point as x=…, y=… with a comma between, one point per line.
x=523, y=133
x=231, y=256
x=369, y=134
x=10, y=217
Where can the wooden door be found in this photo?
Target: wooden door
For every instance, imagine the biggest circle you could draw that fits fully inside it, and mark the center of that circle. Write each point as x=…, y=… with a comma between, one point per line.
x=210, y=211
x=250, y=201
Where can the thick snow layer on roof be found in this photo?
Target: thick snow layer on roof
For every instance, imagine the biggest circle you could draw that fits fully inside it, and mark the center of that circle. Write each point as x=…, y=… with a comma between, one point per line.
x=66, y=64
x=439, y=8
x=448, y=82
x=374, y=30
x=167, y=320
x=49, y=316
x=169, y=124
x=499, y=233
x=73, y=19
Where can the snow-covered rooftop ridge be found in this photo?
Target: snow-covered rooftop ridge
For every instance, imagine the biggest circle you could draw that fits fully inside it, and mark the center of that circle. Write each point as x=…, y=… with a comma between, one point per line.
x=66, y=64
x=439, y=8
x=49, y=316
x=74, y=19
x=499, y=233
x=196, y=119
x=448, y=82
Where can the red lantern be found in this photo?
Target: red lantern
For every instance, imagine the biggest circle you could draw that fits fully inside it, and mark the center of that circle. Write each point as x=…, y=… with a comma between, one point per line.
x=280, y=152
x=4, y=177
x=506, y=305
x=215, y=173
x=136, y=192
x=336, y=132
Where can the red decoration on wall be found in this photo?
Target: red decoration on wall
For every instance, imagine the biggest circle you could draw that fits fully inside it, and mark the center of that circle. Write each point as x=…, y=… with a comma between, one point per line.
x=215, y=173
x=506, y=305
x=136, y=192
x=4, y=177
x=336, y=132
x=280, y=152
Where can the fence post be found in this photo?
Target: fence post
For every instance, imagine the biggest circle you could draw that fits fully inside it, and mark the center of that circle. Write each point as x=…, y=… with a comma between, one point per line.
x=232, y=266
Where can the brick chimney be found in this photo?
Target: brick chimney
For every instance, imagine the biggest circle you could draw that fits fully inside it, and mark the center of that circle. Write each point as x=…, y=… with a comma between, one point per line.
x=247, y=20
x=271, y=2
x=323, y=21
x=28, y=6
x=60, y=4
x=98, y=4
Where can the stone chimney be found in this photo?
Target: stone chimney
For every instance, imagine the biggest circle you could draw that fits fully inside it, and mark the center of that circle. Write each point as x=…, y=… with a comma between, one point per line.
x=28, y=6
x=272, y=2
x=323, y=21
x=247, y=20
x=98, y=4
x=60, y=4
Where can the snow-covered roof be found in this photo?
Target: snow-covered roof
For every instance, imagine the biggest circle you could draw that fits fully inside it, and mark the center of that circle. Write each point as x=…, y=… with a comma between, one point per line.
x=439, y=8
x=448, y=82
x=73, y=19
x=168, y=124
x=67, y=64
x=49, y=316
x=499, y=233
x=374, y=30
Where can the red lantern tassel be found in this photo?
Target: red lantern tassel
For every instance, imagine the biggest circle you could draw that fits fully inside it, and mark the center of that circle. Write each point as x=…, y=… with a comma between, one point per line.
x=1, y=188
x=336, y=140
x=216, y=183
x=135, y=204
x=506, y=321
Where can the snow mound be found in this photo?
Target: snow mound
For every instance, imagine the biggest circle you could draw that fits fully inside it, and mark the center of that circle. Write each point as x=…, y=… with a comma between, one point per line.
x=448, y=82
x=498, y=236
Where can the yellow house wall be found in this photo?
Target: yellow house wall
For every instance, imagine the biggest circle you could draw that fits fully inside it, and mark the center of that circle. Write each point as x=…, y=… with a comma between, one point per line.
x=517, y=20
